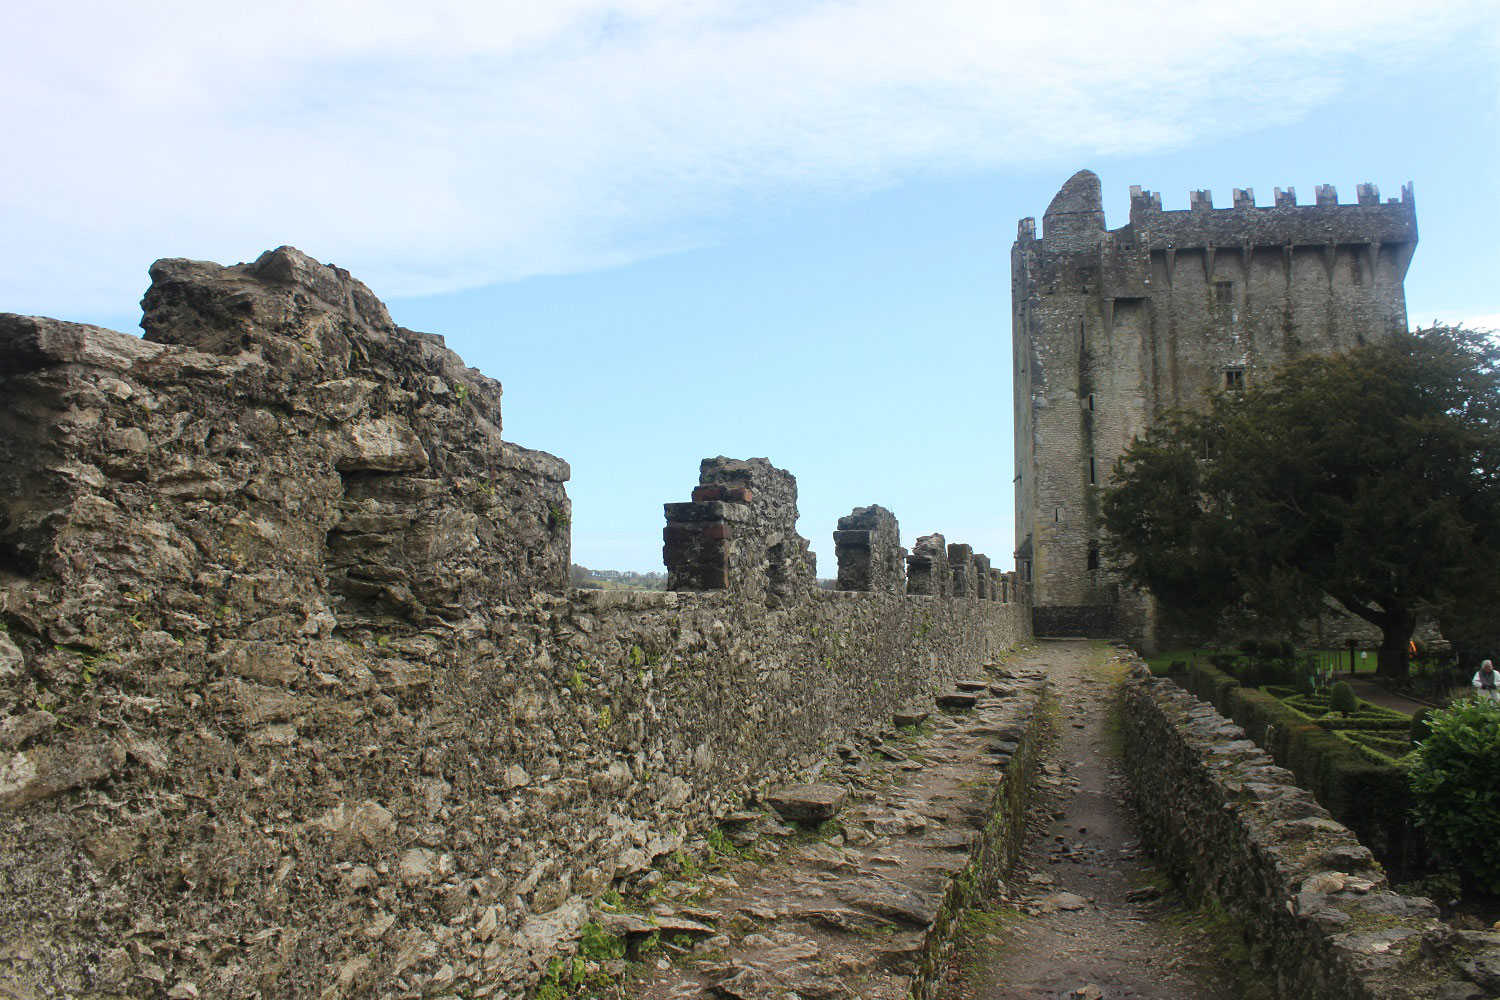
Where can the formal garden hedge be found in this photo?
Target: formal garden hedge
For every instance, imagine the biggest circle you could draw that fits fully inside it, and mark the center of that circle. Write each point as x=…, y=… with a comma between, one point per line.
x=1361, y=786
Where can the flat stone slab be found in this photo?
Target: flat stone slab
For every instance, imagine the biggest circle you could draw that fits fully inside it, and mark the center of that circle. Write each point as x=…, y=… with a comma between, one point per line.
x=905, y=905
x=1062, y=901
x=909, y=717
x=952, y=840
x=840, y=918
x=957, y=699
x=624, y=924
x=972, y=684
x=808, y=803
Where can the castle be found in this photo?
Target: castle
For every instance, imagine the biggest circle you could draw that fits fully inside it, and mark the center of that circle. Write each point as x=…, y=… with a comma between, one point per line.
x=1113, y=327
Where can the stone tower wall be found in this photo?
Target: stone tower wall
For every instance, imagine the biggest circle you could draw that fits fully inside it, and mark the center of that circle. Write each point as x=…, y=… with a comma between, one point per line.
x=1113, y=327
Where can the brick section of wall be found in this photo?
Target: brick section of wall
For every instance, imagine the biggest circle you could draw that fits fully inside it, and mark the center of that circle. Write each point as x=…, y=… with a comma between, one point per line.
x=739, y=533
x=1314, y=909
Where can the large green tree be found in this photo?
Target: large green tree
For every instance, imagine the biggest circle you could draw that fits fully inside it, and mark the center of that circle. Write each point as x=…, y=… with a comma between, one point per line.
x=1370, y=477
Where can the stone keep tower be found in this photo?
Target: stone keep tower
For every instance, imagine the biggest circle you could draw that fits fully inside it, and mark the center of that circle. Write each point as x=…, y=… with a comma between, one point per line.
x=1112, y=327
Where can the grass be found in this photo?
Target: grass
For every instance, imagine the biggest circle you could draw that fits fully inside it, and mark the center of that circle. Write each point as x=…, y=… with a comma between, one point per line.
x=1213, y=938
x=1335, y=659
x=989, y=931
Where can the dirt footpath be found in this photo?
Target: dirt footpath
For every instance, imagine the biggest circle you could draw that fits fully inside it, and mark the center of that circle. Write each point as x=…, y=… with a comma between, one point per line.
x=1085, y=916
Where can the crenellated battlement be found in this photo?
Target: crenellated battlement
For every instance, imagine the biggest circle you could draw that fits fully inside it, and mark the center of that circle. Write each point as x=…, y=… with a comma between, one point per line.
x=1325, y=196
x=1282, y=223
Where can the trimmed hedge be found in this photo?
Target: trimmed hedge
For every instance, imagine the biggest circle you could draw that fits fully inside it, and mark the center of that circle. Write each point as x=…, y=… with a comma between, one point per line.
x=1372, y=717
x=1369, y=797
x=1401, y=725
x=1379, y=748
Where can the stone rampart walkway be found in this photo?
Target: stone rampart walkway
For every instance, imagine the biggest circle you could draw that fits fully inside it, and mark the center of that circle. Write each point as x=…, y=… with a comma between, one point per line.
x=852, y=895
x=1084, y=915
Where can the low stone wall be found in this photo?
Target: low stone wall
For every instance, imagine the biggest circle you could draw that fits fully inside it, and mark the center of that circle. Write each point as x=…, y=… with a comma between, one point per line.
x=998, y=846
x=1314, y=907
x=1083, y=621
x=406, y=810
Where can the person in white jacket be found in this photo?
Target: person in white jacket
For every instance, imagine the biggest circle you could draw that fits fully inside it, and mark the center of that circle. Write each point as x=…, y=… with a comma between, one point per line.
x=1487, y=681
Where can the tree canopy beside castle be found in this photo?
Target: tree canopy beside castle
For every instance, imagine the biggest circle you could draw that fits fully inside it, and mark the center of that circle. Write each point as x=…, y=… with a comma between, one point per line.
x=1370, y=477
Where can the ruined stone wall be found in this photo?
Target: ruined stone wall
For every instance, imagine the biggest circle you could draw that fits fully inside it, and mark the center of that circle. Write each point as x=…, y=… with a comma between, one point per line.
x=927, y=569
x=739, y=532
x=1312, y=906
x=293, y=700
x=867, y=545
x=1112, y=327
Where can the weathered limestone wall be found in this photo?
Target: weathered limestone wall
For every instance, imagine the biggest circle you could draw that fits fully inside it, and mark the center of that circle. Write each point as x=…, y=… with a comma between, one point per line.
x=293, y=701
x=1312, y=904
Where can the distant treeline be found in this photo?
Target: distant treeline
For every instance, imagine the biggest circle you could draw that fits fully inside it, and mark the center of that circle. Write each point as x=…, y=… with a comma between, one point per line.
x=615, y=579
x=624, y=579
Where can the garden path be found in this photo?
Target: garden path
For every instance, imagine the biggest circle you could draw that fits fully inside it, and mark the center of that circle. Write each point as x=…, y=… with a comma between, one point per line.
x=1377, y=695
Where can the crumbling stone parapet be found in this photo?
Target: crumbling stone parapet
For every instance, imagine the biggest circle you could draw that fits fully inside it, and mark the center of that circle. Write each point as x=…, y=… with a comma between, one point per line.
x=867, y=545
x=927, y=568
x=739, y=533
x=961, y=565
x=982, y=577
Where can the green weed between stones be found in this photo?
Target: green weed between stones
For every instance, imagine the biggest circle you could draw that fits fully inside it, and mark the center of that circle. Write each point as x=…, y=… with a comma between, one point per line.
x=989, y=931
x=824, y=831
x=1215, y=939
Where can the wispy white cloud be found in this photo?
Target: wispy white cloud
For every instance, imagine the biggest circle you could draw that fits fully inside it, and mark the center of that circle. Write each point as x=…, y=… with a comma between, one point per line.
x=436, y=146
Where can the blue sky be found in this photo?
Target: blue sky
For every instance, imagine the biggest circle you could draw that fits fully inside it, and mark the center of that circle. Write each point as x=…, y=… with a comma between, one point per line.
x=677, y=230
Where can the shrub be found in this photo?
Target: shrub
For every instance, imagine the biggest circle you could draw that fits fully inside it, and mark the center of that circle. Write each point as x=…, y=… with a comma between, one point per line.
x=1367, y=795
x=1342, y=699
x=1270, y=648
x=1210, y=684
x=1249, y=646
x=1223, y=660
x=1457, y=796
x=1421, y=728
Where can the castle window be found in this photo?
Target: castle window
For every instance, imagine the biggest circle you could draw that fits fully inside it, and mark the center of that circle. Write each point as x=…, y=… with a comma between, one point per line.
x=1093, y=562
x=1234, y=379
x=1093, y=471
x=1056, y=515
x=1224, y=293
x=1091, y=402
